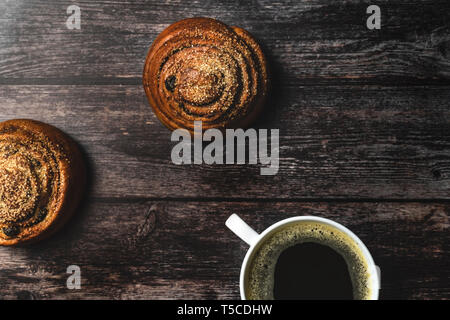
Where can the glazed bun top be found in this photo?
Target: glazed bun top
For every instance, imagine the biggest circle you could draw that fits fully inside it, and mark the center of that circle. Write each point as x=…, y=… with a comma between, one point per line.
x=42, y=176
x=200, y=69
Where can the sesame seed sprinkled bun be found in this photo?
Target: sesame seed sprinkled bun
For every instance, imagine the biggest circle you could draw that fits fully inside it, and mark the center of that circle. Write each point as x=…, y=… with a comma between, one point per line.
x=42, y=177
x=200, y=69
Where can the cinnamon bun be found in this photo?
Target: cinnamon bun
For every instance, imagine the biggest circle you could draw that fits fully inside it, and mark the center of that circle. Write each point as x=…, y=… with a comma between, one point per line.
x=42, y=176
x=200, y=69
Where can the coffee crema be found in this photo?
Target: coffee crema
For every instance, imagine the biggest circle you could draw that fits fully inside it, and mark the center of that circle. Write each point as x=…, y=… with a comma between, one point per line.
x=323, y=262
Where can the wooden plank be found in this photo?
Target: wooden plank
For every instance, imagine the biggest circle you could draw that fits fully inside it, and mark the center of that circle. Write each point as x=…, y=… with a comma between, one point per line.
x=169, y=249
x=317, y=41
x=335, y=142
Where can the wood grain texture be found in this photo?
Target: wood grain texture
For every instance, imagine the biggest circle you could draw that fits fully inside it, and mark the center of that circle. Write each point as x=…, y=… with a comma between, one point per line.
x=310, y=41
x=335, y=142
x=364, y=119
x=173, y=250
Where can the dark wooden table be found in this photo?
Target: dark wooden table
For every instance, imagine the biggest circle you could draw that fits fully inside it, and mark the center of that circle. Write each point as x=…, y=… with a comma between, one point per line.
x=364, y=118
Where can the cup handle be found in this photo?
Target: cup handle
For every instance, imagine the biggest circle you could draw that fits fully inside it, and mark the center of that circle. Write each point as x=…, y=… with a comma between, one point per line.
x=242, y=229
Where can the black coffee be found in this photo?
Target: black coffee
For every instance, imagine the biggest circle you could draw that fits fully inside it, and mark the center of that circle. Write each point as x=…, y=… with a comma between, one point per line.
x=312, y=271
x=307, y=260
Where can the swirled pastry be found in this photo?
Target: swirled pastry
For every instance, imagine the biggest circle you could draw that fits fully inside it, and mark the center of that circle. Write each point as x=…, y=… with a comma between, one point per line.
x=200, y=69
x=42, y=176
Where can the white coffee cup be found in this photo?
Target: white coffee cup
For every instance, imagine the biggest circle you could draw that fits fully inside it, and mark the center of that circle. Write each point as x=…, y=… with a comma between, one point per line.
x=254, y=240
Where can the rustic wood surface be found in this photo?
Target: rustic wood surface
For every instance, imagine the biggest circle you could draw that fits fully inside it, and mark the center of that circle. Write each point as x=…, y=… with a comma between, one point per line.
x=364, y=119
